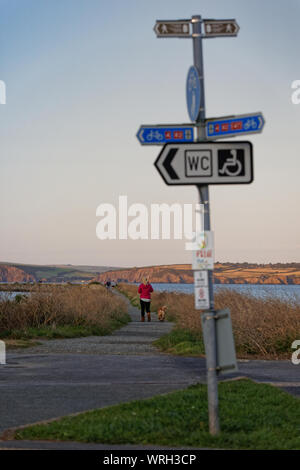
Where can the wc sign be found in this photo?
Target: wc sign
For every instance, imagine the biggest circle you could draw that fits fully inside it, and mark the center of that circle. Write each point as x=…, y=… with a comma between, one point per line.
x=198, y=163
x=206, y=163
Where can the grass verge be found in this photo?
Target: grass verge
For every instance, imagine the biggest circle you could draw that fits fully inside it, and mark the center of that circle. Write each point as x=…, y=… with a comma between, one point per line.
x=181, y=342
x=252, y=416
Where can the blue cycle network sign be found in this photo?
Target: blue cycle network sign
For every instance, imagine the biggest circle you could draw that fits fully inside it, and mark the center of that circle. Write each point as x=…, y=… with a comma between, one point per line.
x=243, y=124
x=193, y=93
x=164, y=134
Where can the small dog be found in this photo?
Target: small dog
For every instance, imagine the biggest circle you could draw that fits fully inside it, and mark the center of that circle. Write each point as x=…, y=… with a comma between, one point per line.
x=162, y=313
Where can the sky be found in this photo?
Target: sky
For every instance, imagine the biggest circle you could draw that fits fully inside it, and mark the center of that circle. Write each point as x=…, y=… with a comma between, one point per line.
x=81, y=77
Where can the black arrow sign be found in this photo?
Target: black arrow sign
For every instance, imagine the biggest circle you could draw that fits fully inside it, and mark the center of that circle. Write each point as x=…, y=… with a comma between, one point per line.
x=167, y=164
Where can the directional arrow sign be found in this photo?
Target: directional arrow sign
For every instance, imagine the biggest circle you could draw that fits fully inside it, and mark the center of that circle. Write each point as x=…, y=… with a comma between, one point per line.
x=234, y=125
x=215, y=28
x=162, y=134
x=171, y=29
x=206, y=163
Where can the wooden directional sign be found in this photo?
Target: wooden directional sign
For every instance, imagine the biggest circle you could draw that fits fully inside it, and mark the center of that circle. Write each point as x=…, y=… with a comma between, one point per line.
x=171, y=28
x=216, y=28
x=206, y=163
x=233, y=125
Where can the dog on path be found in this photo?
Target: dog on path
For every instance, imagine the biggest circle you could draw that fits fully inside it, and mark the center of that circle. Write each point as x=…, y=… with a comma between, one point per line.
x=162, y=313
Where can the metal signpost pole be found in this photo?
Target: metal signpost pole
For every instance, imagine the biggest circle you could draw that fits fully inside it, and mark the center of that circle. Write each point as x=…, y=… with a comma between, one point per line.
x=211, y=353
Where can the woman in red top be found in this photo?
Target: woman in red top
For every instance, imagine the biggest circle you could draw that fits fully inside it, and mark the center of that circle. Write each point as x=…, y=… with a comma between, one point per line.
x=145, y=290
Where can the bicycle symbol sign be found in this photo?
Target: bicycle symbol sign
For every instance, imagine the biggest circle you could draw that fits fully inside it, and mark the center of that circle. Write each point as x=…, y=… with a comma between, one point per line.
x=162, y=134
x=243, y=124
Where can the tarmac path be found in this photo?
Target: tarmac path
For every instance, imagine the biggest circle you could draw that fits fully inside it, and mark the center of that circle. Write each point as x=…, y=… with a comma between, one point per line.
x=67, y=376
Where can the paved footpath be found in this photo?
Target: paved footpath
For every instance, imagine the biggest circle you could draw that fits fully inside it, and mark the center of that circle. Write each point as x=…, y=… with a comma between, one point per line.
x=67, y=376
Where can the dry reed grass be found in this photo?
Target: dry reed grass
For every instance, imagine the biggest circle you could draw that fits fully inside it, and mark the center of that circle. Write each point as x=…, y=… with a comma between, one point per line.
x=263, y=328
x=53, y=306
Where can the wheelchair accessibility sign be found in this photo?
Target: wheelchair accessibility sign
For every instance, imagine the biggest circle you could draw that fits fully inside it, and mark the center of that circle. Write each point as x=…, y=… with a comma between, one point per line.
x=231, y=162
x=206, y=163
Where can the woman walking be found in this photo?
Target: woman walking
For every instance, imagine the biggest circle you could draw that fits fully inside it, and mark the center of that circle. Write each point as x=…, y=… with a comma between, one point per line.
x=145, y=290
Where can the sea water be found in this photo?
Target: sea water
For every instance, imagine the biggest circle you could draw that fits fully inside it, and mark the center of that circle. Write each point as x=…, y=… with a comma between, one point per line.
x=284, y=292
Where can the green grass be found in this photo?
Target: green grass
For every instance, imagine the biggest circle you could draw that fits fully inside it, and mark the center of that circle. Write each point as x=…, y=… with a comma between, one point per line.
x=181, y=343
x=252, y=416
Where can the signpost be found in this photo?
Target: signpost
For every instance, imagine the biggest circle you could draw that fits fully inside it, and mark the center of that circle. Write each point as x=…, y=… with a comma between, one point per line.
x=206, y=163
x=234, y=125
x=190, y=156
x=161, y=134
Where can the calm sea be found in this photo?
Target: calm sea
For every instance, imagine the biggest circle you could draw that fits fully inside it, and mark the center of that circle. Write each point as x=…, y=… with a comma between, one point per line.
x=280, y=291
x=11, y=295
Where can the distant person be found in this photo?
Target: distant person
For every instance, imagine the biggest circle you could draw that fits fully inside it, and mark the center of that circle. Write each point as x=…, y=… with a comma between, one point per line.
x=113, y=284
x=145, y=290
x=108, y=284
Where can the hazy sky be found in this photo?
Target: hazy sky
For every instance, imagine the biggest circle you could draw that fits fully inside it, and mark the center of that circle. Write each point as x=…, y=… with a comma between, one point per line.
x=81, y=77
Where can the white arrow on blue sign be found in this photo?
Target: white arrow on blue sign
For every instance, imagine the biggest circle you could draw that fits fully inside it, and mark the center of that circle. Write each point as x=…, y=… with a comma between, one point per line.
x=163, y=134
x=234, y=125
x=193, y=93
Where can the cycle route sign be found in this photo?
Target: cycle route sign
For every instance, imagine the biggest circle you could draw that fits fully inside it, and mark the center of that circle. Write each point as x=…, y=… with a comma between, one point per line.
x=161, y=134
x=206, y=163
x=234, y=125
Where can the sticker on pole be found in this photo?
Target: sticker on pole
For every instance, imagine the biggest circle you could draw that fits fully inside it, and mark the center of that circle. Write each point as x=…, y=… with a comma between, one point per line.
x=201, y=298
x=203, y=256
x=200, y=278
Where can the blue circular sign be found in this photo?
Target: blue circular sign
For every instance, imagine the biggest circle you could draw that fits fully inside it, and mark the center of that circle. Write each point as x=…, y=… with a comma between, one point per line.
x=193, y=93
